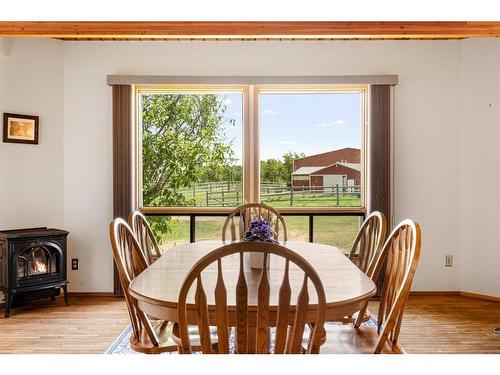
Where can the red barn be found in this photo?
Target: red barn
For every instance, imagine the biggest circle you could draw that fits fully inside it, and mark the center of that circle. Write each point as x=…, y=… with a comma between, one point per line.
x=340, y=167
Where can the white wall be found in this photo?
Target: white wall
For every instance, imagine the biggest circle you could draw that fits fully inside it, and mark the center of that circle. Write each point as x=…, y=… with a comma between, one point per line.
x=480, y=168
x=427, y=130
x=31, y=178
x=88, y=170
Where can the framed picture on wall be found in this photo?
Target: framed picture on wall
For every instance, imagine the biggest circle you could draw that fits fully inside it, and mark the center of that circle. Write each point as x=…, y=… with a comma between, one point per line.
x=20, y=128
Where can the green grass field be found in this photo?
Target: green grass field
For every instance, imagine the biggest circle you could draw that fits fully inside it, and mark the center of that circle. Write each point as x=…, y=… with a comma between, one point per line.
x=338, y=231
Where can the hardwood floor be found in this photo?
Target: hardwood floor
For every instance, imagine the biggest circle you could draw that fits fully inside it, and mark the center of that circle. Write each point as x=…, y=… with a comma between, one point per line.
x=432, y=324
x=449, y=324
x=87, y=325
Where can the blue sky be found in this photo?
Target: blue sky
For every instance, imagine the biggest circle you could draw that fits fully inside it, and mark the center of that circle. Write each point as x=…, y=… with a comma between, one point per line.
x=308, y=123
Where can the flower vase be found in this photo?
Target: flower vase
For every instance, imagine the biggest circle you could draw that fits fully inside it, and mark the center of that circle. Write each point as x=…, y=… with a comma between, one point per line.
x=259, y=231
x=256, y=260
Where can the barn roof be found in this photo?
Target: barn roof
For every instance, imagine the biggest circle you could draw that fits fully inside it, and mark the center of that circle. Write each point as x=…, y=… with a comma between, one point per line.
x=307, y=170
x=312, y=170
x=356, y=166
x=353, y=166
x=329, y=152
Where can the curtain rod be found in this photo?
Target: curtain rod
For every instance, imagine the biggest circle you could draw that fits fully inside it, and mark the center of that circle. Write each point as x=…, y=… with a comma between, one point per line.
x=253, y=80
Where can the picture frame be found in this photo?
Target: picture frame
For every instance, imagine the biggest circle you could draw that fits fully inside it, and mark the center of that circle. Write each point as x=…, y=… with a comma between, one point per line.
x=20, y=128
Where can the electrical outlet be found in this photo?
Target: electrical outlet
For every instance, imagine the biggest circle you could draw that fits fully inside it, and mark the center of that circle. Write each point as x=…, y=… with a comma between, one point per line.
x=448, y=261
x=74, y=263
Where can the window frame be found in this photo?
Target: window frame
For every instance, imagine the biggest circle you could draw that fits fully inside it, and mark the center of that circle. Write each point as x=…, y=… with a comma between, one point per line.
x=250, y=143
x=137, y=130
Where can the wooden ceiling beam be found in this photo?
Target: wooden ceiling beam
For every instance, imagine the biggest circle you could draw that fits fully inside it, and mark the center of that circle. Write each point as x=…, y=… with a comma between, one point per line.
x=250, y=30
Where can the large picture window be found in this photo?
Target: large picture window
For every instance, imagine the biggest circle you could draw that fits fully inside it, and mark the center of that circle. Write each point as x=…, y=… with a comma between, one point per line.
x=191, y=148
x=311, y=148
x=203, y=150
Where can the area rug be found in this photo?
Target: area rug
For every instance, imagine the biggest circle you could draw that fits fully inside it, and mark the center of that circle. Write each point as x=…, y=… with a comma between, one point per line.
x=122, y=344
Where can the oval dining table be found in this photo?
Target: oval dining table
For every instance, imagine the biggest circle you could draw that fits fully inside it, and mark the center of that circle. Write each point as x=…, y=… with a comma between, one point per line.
x=156, y=290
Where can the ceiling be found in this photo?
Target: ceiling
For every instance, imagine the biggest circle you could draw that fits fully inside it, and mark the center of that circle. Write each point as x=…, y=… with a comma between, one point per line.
x=248, y=31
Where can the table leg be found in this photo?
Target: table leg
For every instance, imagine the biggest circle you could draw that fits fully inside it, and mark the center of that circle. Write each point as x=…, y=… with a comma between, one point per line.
x=361, y=314
x=252, y=340
x=322, y=334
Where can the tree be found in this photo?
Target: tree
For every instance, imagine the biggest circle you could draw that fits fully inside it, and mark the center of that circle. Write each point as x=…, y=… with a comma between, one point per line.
x=272, y=170
x=279, y=170
x=183, y=141
x=288, y=159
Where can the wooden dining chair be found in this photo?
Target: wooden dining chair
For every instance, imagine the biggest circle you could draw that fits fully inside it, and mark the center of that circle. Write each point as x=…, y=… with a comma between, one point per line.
x=238, y=221
x=148, y=336
x=290, y=322
x=401, y=251
x=369, y=241
x=366, y=246
x=144, y=235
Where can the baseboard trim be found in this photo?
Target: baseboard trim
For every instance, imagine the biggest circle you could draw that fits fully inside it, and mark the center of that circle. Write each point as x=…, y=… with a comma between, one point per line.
x=434, y=293
x=480, y=296
x=79, y=294
x=91, y=294
x=454, y=293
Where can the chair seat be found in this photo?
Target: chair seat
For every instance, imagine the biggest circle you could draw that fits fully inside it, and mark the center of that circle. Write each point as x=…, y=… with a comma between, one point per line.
x=194, y=337
x=167, y=340
x=163, y=331
x=345, y=339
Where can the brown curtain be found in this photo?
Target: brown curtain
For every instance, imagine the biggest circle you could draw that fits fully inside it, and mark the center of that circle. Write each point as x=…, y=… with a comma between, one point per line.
x=122, y=159
x=379, y=150
x=379, y=156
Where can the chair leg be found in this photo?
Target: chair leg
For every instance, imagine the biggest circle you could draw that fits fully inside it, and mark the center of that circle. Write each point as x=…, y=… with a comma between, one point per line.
x=323, y=337
x=361, y=315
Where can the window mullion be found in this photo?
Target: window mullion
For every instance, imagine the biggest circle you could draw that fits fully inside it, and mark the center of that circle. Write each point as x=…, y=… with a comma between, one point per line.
x=247, y=177
x=256, y=146
x=251, y=146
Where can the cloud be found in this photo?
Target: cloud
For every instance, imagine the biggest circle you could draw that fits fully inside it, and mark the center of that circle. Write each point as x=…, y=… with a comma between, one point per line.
x=332, y=124
x=269, y=112
x=227, y=102
x=287, y=142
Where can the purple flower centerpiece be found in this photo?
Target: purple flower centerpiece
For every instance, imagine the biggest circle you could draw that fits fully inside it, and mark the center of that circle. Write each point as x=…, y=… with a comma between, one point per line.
x=260, y=230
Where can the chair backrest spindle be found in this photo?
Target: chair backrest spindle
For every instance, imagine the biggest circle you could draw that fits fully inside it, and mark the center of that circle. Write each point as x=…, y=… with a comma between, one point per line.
x=262, y=336
x=242, y=310
x=285, y=294
x=221, y=311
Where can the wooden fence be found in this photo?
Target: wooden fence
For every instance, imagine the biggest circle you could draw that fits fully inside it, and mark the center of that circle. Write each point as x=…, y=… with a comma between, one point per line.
x=225, y=186
x=289, y=196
